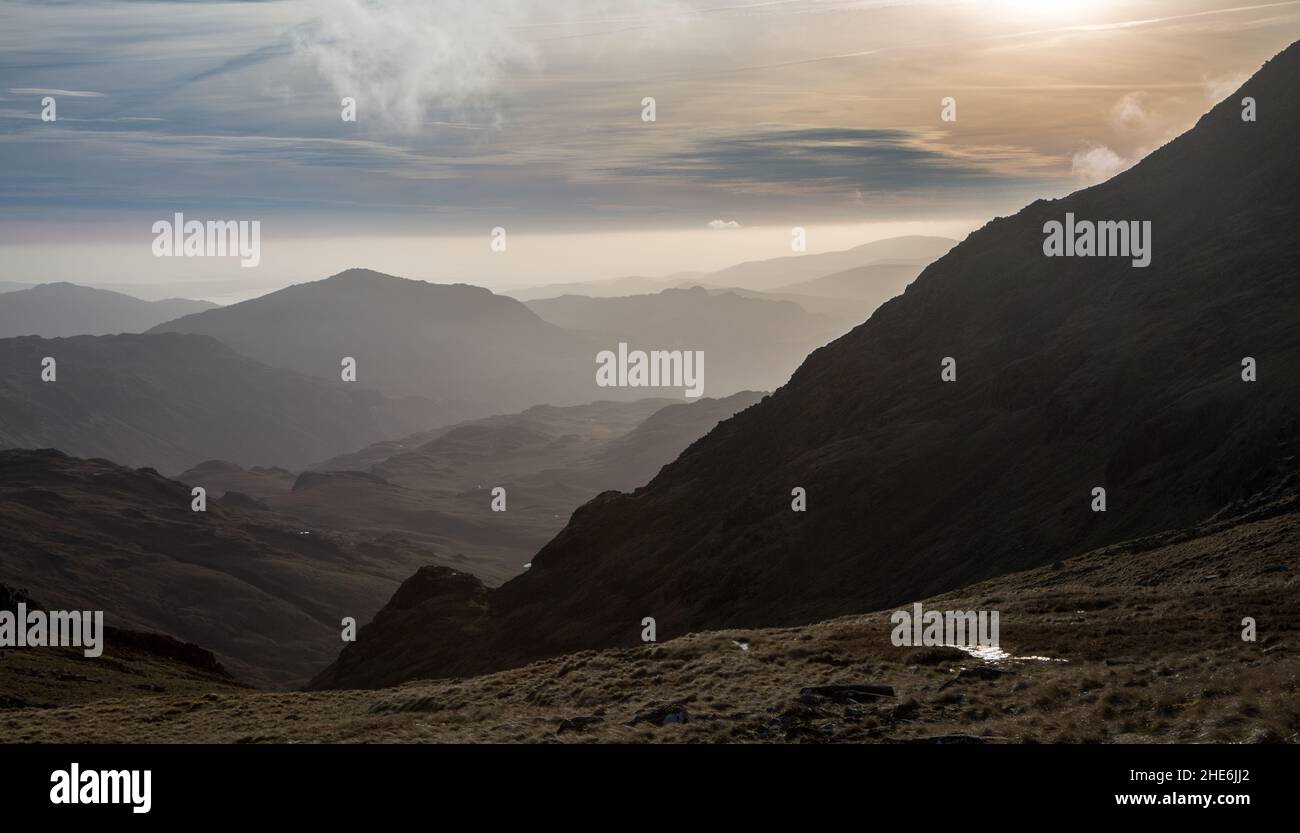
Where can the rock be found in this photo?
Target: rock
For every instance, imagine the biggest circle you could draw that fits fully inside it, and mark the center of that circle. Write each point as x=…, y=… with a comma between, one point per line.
x=850, y=693
x=580, y=723
x=947, y=739
x=979, y=672
x=664, y=715
x=906, y=711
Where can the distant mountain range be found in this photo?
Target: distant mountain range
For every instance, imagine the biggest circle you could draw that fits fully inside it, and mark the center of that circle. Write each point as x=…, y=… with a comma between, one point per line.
x=264, y=576
x=435, y=488
x=54, y=310
x=436, y=354
x=781, y=273
x=487, y=352
x=426, y=357
x=609, y=288
x=877, y=282
x=774, y=274
x=170, y=401
x=1072, y=374
x=748, y=343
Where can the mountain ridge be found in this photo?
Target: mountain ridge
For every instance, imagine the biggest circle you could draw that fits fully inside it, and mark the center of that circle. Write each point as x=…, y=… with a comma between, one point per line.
x=1073, y=374
x=59, y=309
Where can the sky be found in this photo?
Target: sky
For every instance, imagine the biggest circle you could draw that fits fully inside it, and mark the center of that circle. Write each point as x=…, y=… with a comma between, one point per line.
x=528, y=116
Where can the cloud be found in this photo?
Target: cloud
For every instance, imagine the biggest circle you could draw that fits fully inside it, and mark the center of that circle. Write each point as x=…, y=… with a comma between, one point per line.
x=68, y=93
x=843, y=159
x=405, y=59
x=1217, y=89
x=1098, y=164
x=723, y=224
x=399, y=58
x=1129, y=113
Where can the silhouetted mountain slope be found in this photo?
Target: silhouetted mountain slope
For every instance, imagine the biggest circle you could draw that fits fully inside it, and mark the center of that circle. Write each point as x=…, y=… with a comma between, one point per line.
x=53, y=310
x=748, y=343
x=1073, y=373
x=1120, y=644
x=409, y=338
x=261, y=592
x=636, y=457
x=170, y=400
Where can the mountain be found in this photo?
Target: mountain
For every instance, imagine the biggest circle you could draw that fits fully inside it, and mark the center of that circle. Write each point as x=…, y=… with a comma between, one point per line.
x=571, y=431
x=170, y=401
x=761, y=275
x=54, y=310
x=265, y=595
x=1134, y=643
x=748, y=343
x=608, y=288
x=846, y=312
x=12, y=286
x=1073, y=373
x=876, y=282
x=409, y=338
x=781, y=272
x=435, y=488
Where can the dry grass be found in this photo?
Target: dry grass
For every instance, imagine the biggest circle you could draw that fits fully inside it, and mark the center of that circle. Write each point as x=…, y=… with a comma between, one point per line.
x=1150, y=641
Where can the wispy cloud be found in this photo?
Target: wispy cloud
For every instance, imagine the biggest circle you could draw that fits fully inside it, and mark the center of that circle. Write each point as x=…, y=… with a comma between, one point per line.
x=405, y=59
x=45, y=91
x=844, y=158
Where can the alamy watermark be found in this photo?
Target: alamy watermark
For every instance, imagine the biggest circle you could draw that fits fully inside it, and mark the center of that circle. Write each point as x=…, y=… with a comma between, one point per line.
x=53, y=629
x=110, y=786
x=1104, y=238
x=651, y=369
x=952, y=628
x=179, y=237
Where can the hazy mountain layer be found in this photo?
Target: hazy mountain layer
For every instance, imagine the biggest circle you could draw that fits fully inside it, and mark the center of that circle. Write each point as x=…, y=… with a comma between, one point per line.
x=435, y=488
x=876, y=282
x=447, y=342
x=170, y=401
x=748, y=343
x=53, y=310
x=764, y=275
x=781, y=272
